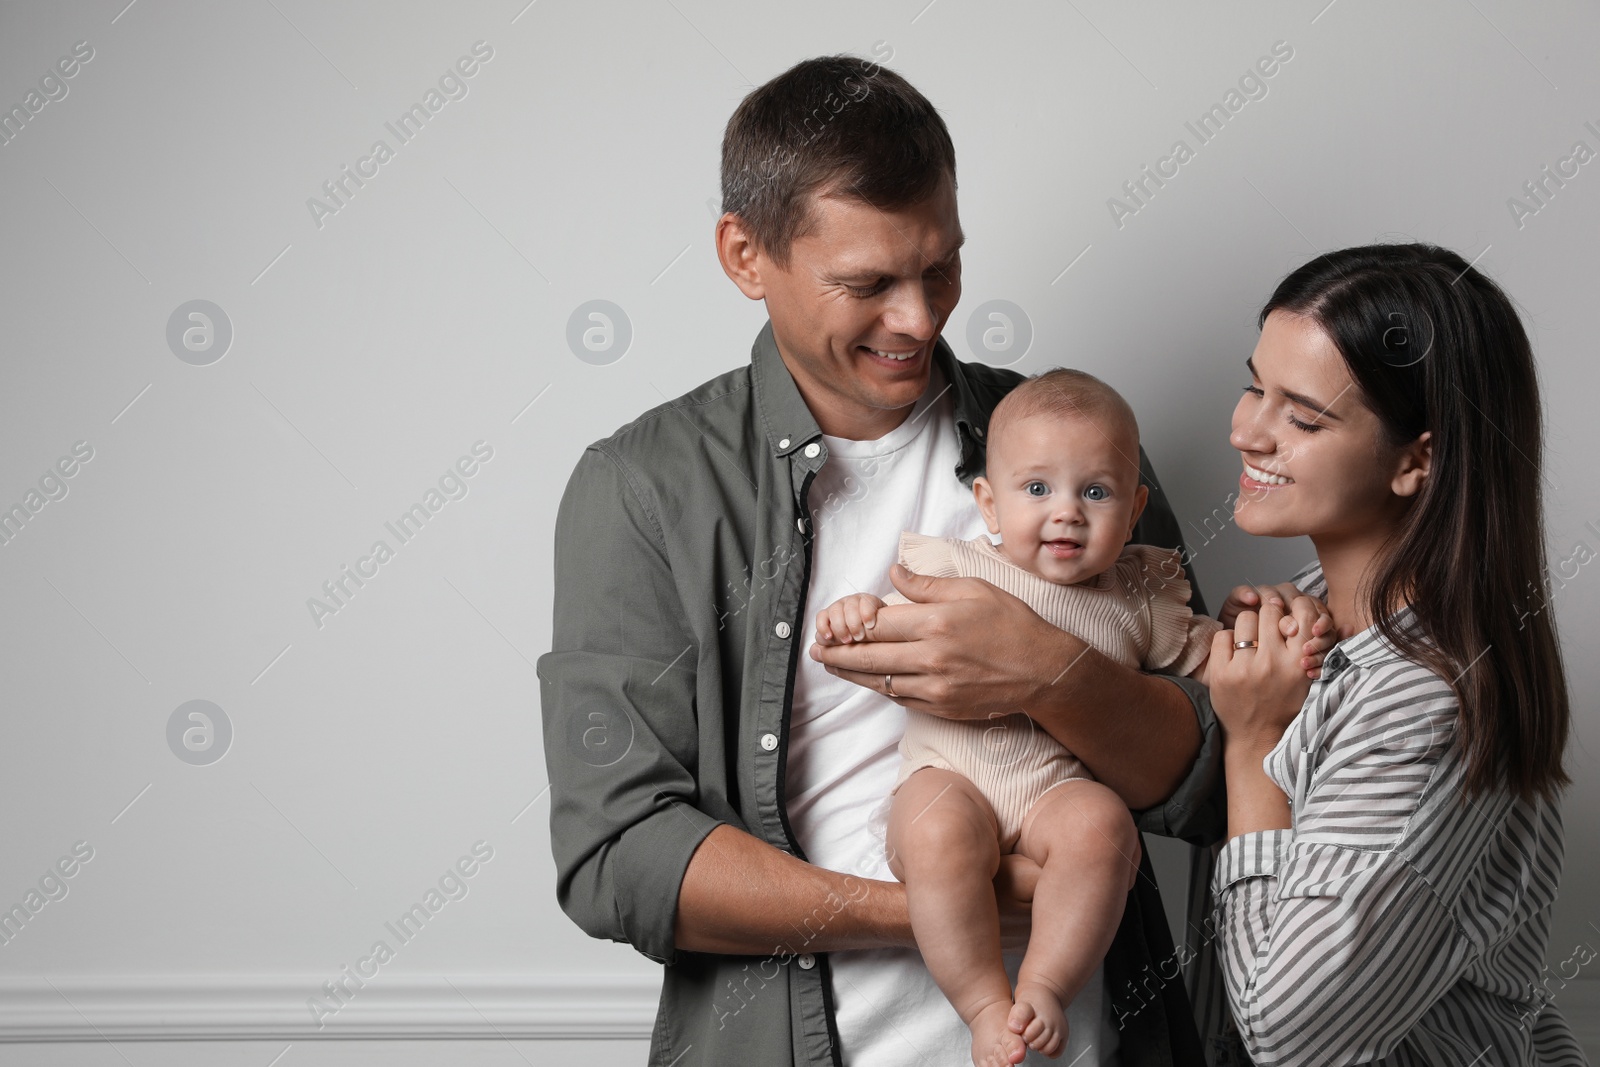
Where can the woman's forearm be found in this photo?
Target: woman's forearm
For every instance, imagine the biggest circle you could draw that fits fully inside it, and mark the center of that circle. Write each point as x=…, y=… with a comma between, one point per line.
x=1255, y=802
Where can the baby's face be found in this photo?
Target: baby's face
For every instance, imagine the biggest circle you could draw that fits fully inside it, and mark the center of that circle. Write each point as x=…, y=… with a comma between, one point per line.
x=1063, y=494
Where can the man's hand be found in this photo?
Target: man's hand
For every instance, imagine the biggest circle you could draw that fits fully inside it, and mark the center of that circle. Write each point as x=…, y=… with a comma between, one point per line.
x=964, y=649
x=1321, y=636
x=848, y=619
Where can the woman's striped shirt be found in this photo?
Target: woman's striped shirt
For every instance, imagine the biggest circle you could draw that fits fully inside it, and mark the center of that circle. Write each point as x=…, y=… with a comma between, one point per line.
x=1393, y=923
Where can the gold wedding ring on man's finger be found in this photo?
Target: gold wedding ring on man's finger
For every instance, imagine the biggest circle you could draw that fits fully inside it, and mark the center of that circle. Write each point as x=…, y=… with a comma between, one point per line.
x=888, y=686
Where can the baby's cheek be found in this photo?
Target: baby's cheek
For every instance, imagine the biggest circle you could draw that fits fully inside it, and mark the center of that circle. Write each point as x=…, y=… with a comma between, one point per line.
x=1105, y=545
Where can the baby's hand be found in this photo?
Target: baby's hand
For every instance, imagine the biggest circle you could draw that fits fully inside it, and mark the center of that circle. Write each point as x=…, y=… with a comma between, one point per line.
x=848, y=619
x=1322, y=638
x=1318, y=642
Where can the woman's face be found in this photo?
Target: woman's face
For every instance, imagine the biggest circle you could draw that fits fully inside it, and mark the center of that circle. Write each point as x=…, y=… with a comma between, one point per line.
x=1315, y=458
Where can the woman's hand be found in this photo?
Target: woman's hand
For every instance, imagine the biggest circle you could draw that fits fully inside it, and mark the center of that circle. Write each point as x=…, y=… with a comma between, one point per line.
x=1321, y=636
x=1258, y=691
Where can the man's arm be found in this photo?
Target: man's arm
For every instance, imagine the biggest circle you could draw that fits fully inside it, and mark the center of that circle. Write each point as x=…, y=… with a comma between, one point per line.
x=642, y=855
x=1196, y=810
x=1136, y=732
x=968, y=650
x=617, y=697
x=742, y=896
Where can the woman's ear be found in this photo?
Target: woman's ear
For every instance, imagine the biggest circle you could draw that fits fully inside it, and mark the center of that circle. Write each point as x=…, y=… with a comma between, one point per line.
x=984, y=492
x=1412, y=472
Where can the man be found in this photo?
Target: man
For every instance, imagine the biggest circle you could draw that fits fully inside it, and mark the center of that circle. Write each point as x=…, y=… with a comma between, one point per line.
x=712, y=779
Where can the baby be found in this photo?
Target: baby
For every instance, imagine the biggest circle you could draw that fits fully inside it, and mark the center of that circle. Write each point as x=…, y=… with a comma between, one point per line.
x=1062, y=490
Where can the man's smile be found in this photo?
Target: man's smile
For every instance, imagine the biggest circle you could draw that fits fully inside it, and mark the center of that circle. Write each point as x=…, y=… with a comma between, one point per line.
x=892, y=357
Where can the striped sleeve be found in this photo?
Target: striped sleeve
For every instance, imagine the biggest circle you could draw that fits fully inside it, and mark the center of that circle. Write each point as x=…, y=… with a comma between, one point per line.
x=1333, y=945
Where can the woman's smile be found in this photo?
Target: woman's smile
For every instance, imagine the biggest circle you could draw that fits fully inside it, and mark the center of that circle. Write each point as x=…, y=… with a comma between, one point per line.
x=1257, y=478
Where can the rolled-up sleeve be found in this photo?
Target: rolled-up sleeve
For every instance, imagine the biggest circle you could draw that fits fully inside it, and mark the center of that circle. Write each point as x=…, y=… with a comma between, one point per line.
x=617, y=697
x=1197, y=811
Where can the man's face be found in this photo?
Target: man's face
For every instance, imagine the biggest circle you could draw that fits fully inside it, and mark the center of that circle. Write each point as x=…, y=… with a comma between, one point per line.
x=860, y=304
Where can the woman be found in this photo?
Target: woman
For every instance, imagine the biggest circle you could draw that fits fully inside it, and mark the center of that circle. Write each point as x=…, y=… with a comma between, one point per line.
x=1394, y=844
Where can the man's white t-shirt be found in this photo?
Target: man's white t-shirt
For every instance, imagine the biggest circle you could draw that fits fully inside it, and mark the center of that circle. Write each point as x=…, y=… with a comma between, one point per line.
x=843, y=750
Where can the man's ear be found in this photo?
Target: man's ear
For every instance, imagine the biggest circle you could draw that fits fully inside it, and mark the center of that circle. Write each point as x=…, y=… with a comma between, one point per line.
x=1141, y=497
x=740, y=258
x=1412, y=472
x=984, y=492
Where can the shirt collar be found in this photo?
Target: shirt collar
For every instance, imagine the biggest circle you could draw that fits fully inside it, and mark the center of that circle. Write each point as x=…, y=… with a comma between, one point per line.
x=788, y=422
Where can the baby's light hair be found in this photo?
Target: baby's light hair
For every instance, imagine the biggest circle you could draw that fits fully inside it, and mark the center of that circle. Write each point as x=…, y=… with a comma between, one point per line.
x=1065, y=393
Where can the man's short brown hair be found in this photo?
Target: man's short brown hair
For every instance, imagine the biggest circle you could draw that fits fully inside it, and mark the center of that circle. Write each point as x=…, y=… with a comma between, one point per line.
x=837, y=124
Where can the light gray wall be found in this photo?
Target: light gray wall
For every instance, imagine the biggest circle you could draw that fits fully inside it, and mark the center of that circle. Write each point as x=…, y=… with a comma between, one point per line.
x=372, y=347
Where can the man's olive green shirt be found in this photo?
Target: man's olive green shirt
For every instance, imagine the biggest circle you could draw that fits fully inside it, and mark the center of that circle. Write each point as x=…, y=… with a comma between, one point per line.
x=682, y=558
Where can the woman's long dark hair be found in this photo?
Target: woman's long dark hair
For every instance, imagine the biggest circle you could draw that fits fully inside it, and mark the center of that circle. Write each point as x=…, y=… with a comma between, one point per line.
x=1433, y=345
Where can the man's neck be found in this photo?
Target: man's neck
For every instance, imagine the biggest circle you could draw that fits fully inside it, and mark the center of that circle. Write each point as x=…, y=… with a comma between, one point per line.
x=840, y=416
x=869, y=424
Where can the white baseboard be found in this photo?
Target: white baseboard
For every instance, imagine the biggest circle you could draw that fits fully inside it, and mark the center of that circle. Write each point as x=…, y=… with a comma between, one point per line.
x=397, y=1007
x=236, y=1007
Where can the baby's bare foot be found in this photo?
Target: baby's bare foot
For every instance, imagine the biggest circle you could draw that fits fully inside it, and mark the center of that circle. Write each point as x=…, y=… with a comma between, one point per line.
x=1039, y=1018
x=993, y=1045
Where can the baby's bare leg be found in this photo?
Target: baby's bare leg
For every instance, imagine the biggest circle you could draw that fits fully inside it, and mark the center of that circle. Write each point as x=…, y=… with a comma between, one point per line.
x=1082, y=836
x=944, y=845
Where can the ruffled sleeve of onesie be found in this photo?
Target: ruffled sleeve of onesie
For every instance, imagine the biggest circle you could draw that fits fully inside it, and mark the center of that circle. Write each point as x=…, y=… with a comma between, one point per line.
x=1178, y=640
x=922, y=554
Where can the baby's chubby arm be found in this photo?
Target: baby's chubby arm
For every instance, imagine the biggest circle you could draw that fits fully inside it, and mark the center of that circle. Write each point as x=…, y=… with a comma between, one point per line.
x=848, y=619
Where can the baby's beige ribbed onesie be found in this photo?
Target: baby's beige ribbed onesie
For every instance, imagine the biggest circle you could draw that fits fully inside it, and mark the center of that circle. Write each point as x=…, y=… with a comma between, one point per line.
x=1137, y=613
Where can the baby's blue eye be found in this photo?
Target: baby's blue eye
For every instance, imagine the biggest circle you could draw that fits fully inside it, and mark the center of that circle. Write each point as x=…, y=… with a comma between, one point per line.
x=1097, y=492
x=1036, y=489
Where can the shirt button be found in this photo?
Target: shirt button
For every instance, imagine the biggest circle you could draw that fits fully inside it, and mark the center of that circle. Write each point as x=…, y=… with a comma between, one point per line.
x=782, y=629
x=800, y=524
x=977, y=431
x=807, y=961
x=812, y=450
x=769, y=741
x=783, y=443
